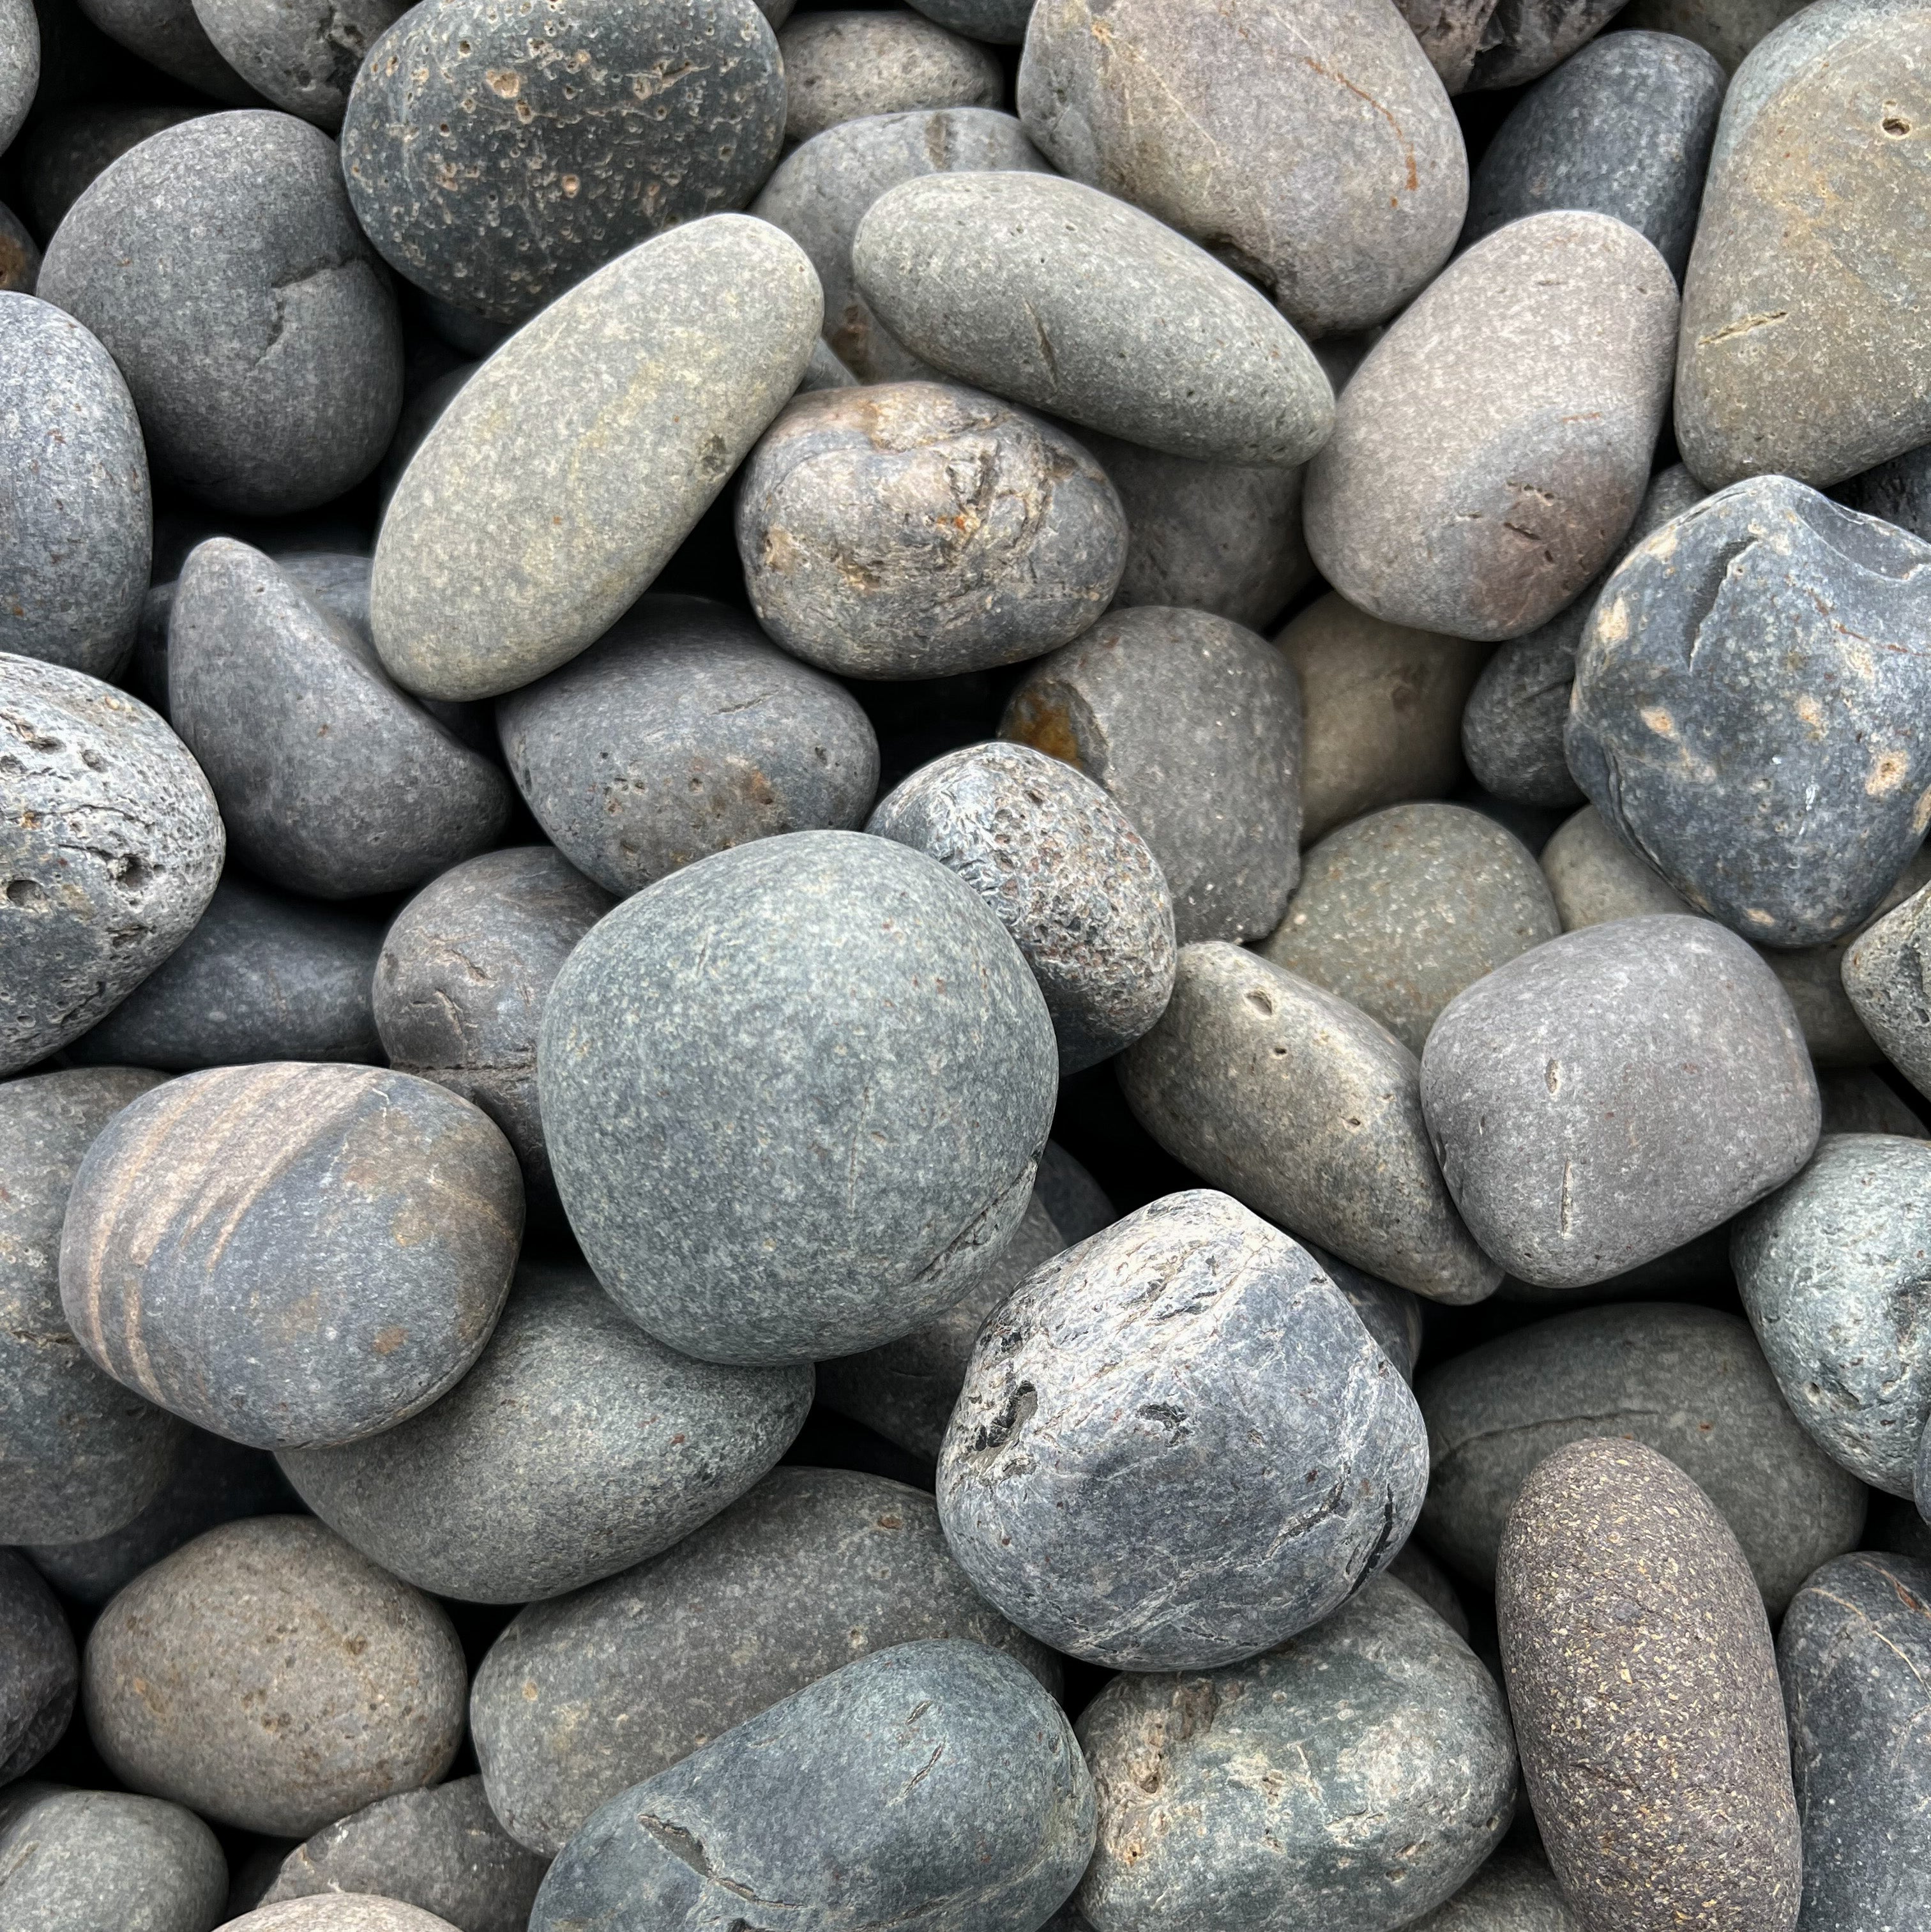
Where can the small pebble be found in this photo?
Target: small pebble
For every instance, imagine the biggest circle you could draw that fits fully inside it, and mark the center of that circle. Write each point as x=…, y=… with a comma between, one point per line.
x=39, y=1670
x=849, y=66
x=1515, y=1892
x=70, y=1859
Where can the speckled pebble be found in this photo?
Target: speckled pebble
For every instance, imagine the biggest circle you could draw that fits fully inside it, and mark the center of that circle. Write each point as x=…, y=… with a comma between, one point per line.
x=1515, y=1892
x=70, y=1859
x=302, y=59
x=39, y=1670
x=19, y=65
x=846, y=66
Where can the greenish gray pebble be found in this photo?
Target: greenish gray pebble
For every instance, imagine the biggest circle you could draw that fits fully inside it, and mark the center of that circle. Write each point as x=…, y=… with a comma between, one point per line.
x=70, y=1859
x=39, y=1670
x=840, y=66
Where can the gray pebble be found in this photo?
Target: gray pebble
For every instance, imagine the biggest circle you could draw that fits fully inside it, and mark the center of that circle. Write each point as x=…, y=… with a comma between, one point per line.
x=1066, y=300
x=1350, y=1779
x=1729, y=28
x=1596, y=878
x=1276, y=1456
x=825, y=371
x=1475, y=45
x=167, y=35
x=1895, y=1524
x=39, y=1671
x=1001, y=22
x=1302, y=1106
x=583, y=1696
x=517, y=536
x=1898, y=491
x=1690, y=1382
x=1885, y=979
x=420, y=415
x=1489, y=454
x=221, y=266
x=19, y=259
x=1245, y=129
x=847, y=66
x=270, y=1677
x=298, y=58
x=110, y=847
x=75, y=519
x=291, y=1253
x=342, y=1912
x=1069, y=876
x=866, y=1009
x=70, y=1859
x=1076, y=1203
x=1397, y=912
x=920, y=529
x=1515, y=1892
x=1192, y=725
x=1615, y=1092
x=1412, y=1564
x=935, y=1783
x=57, y=158
x=19, y=65
x=1392, y=1315
x=1856, y=1101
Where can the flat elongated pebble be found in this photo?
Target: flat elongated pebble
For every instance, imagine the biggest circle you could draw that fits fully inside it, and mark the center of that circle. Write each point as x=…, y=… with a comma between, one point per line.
x=1856, y=1101
x=1066, y=300
x=1645, y=1693
x=519, y=532
x=1355, y=1775
x=1077, y=1204
x=936, y=1780
x=1571, y=1158
x=1397, y=912
x=843, y=992
x=1278, y=1455
x=1302, y=1106
x=918, y=529
x=1475, y=45
x=496, y=167
x=39, y=1670
x=56, y=158
x=1812, y=154
x=1688, y=1382
x=1070, y=879
x=441, y=1850
x=1381, y=707
x=1514, y=1891
x=1729, y=28
x=342, y=1912
x=110, y=847
x=291, y=1253
x=301, y=62
x=221, y=266
x=819, y=194
x=167, y=35
x=846, y=66
x=1192, y=725
x=74, y=1859
x=1885, y=978
x=1231, y=127
x=1490, y=453
x=75, y=519
x=584, y=1696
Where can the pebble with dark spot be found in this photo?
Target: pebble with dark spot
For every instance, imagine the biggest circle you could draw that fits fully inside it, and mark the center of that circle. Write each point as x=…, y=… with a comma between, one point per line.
x=302, y=60
x=847, y=66
x=73, y=1858
x=39, y=1670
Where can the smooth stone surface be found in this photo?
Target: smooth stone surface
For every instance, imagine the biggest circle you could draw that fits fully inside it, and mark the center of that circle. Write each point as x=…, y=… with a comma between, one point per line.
x=1245, y=130
x=342, y=1912
x=1596, y=878
x=1514, y=1891
x=19, y=65
x=1066, y=300
x=632, y=1675
x=1645, y=1698
x=1475, y=45
x=1070, y=879
x=80, y=1455
x=39, y=1670
x=1397, y=912
x=1805, y=223
x=496, y=167
x=1831, y=1270
x=920, y=529
x=1729, y=28
x=75, y=518
x=819, y=193
x=1688, y=1382
x=1276, y=1456
x=521, y=532
x=56, y=158
x=292, y=1253
x=302, y=61
x=1381, y=706
x=1392, y=1315
x=1192, y=725
x=1309, y=1112
x=167, y=35
x=846, y=66
x=1856, y=1101
x=1570, y=1159
x=1001, y=22
x=937, y=1780
x=221, y=266
x=1490, y=453
x=110, y=846
x=1885, y=979
x=440, y=1849
x=70, y=1859
x=1355, y=1775
x=1077, y=1204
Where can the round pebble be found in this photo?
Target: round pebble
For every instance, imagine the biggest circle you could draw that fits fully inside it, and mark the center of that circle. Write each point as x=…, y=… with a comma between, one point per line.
x=39, y=1670
x=73, y=1858
x=845, y=66
x=299, y=61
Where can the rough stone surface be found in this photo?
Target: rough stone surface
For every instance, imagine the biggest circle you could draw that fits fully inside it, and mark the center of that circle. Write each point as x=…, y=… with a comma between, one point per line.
x=1309, y=1112
x=70, y=1859
x=300, y=60
x=1645, y=1693
x=1885, y=979
x=1192, y=725
x=1066, y=300
x=1688, y=1382
x=1069, y=878
x=1571, y=1153
x=634, y=1674
x=1077, y=1204
x=57, y=158
x=342, y=1912
x=847, y=66
x=517, y=535
x=1515, y=1892
x=291, y=1253
x=110, y=847
x=1729, y=28
x=1490, y=453
x=495, y=166
x=1276, y=1456
x=1399, y=911
x=1477, y=44
x=221, y=266
x=39, y=1671
x=1350, y=1778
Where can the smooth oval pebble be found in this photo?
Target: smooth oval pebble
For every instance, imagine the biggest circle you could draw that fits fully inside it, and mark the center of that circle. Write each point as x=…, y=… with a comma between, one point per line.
x=39, y=1670
x=303, y=63
x=1065, y=300
x=1491, y=451
x=74, y=1859
x=1477, y=45
x=1514, y=1891
x=583, y=1696
x=842, y=66
x=1645, y=1693
x=341, y=1911
x=524, y=526
x=292, y=1253
x=1302, y=1106
x=1355, y=1775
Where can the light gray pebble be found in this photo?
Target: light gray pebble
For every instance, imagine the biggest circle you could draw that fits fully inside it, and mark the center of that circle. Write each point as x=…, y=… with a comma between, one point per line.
x=167, y=35
x=1595, y=877
x=1077, y=1204
x=341, y=1911
x=40, y=1672
x=846, y=66
x=70, y=1859
x=302, y=61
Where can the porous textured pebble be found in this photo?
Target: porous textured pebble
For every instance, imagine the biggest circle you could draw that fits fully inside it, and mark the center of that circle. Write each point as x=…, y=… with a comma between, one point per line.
x=74, y=1859
x=39, y=1670
x=842, y=66
x=1475, y=45
x=303, y=61
x=1301, y=1106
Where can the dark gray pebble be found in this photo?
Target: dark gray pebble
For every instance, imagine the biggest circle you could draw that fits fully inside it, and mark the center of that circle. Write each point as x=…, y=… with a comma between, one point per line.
x=39, y=1671
x=1515, y=1892
x=299, y=60
x=1001, y=22
x=1077, y=1204
x=1856, y=1101
x=1475, y=45
x=56, y=158
x=847, y=66
x=1392, y=1315
x=19, y=259
x=1729, y=28
x=70, y=1859
x=167, y=35
x=1412, y=1564
x=419, y=416
x=1898, y=491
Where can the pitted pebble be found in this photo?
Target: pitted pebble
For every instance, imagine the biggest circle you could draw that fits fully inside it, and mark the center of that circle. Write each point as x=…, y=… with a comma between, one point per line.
x=303, y=62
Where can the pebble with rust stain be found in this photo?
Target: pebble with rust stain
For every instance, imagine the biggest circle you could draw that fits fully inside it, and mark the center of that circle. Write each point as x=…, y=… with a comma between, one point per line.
x=849, y=66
